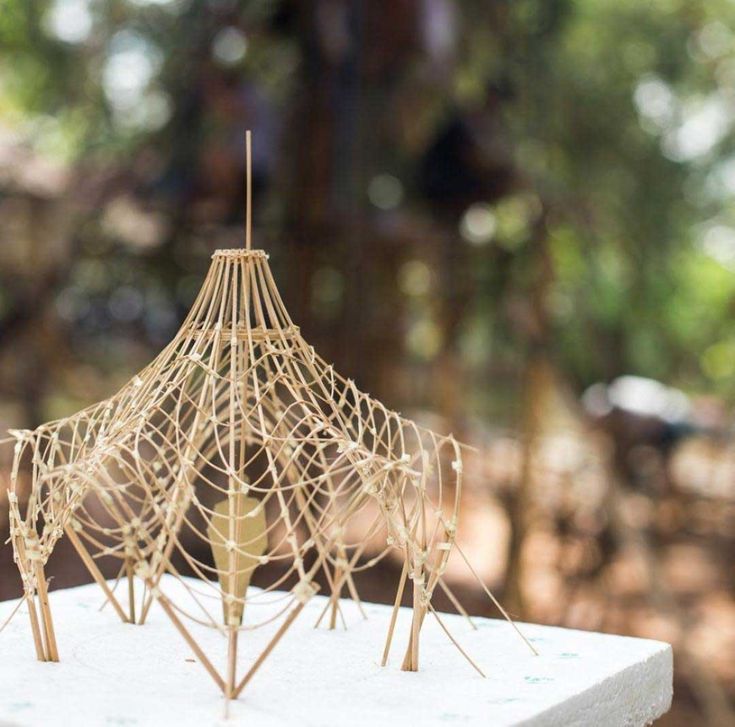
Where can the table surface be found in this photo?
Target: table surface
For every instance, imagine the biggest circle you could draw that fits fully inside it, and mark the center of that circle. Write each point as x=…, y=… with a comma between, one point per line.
x=119, y=674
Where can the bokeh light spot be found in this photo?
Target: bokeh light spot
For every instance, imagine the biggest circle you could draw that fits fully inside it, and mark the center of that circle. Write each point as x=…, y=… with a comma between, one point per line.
x=414, y=278
x=478, y=224
x=719, y=243
x=130, y=67
x=424, y=339
x=69, y=20
x=718, y=361
x=229, y=46
x=385, y=191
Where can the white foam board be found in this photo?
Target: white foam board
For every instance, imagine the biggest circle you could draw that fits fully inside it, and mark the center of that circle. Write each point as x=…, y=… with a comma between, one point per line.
x=119, y=674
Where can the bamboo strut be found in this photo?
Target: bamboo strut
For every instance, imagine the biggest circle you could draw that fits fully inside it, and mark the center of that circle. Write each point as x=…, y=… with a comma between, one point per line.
x=118, y=577
x=272, y=645
x=131, y=590
x=206, y=663
x=31, y=600
x=36, y=630
x=455, y=602
x=52, y=651
x=95, y=572
x=394, y=614
x=454, y=641
x=496, y=602
x=21, y=601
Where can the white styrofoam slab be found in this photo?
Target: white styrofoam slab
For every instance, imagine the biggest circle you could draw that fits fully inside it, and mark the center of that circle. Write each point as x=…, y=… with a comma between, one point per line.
x=117, y=674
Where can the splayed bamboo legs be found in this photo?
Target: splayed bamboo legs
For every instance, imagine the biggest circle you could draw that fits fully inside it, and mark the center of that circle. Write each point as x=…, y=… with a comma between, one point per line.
x=271, y=645
x=42, y=625
x=52, y=652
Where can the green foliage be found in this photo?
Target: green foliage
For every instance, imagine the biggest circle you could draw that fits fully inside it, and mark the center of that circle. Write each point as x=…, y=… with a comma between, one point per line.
x=617, y=120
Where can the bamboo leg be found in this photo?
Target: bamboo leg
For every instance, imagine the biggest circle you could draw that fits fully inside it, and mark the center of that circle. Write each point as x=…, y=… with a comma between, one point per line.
x=418, y=617
x=455, y=602
x=141, y=620
x=495, y=601
x=331, y=581
x=146, y=607
x=394, y=615
x=264, y=655
x=131, y=589
x=334, y=599
x=31, y=598
x=193, y=644
x=52, y=650
x=164, y=563
x=232, y=662
x=95, y=571
x=411, y=659
x=339, y=579
x=324, y=613
x=355, y=595
x=35, y=627
x=454, y=641
x=114, y=586
x=343, y=578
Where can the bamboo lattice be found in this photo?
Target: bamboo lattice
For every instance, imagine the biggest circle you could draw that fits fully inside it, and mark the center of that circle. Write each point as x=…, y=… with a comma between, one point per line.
x=236, y=448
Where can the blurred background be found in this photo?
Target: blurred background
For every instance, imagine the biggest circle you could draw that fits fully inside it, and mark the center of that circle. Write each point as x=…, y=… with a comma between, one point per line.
x=510, y=219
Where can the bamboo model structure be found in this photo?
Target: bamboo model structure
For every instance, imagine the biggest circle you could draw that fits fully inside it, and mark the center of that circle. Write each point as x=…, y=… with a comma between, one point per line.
x=240, y=443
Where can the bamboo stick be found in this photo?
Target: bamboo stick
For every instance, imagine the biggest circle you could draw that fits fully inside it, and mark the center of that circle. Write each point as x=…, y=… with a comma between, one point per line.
x=95, y=572
x=206, y=663
x=52, y=651
x=455, y=602
x=394, y=614
x=271, y=645
x=454, y=641
x=30, y=598
x=131, y=590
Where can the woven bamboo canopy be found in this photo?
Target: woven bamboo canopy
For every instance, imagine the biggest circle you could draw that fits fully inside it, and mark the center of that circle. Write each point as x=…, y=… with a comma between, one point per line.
x=237, y=448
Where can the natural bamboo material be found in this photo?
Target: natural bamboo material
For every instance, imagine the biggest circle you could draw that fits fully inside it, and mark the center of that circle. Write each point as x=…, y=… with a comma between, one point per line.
x=237, y=447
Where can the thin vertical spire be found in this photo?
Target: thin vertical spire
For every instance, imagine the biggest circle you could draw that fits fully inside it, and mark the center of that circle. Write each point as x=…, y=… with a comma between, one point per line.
x=249, y=192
